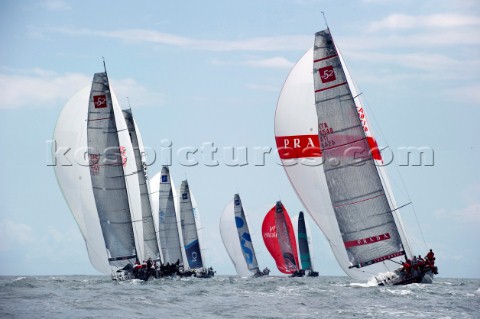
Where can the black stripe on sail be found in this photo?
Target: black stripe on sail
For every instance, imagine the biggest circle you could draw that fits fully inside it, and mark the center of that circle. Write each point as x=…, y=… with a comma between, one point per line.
x=378, y=260
x=122, y=258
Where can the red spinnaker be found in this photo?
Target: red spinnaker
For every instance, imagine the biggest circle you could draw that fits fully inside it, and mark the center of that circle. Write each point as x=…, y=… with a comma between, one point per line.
x=284, y=253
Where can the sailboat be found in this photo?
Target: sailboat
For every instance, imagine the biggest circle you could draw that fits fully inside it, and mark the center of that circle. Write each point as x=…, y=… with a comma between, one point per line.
x=167, y=219
x=279, y=238
x=321, y=126
x=102, y=193
x=304, y=240
x=238, y=241
x=190, y=223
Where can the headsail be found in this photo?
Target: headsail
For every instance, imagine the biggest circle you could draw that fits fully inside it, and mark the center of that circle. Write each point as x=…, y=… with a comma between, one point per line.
x=189, y=228
x=279, y=238
x=151, y=249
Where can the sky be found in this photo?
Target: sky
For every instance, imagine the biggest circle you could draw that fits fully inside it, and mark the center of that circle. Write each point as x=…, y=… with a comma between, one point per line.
x=203, y=72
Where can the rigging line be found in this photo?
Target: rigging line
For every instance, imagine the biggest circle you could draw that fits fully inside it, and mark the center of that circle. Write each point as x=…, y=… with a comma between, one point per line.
x=357, y=95
x=393, y=261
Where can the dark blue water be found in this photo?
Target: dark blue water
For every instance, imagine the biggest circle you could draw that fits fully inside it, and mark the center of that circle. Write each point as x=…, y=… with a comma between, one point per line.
x=224, y=296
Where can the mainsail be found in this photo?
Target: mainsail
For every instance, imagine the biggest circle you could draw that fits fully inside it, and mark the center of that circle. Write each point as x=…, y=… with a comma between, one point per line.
x=357, y=194
x=279, y=238
x=330, y=157
x=167, y=220
x=107, y=159
x=236, y=238
x=189, y=227
x=151, y=249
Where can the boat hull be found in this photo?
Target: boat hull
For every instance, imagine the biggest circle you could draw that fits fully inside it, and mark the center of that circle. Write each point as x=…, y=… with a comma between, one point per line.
x=420, y=277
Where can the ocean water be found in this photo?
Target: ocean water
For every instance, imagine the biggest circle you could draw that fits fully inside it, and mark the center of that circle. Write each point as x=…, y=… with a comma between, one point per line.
x=232, y=297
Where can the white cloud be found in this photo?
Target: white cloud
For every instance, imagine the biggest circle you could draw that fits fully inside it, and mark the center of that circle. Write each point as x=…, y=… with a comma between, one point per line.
x=379, y=1
x=468, y=94
x=470, y=213
x=442, y=20
x=13, y=234
x=421, y=61
x=298, y=42
x=44, y=88
x=263, y=87
x=137, y=94
x=413, y=41
x=274, y=63
x=39, y=88
x=56, y=5
x=271, y=63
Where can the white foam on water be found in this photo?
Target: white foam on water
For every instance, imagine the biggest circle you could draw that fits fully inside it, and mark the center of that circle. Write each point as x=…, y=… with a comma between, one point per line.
x=401, y=292
x=372, y=282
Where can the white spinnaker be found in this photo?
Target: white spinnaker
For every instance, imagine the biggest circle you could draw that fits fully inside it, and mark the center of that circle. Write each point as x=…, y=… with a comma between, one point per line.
x=73, y=175
x=231, y=241
x=296, y=115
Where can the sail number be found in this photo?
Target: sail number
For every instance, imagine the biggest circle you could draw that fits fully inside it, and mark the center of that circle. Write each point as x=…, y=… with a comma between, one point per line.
x=323, y=131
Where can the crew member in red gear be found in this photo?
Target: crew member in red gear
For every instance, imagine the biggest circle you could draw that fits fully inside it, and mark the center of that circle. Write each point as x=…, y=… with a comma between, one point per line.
x=430, y=255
